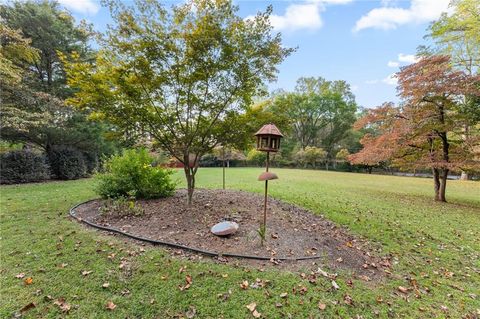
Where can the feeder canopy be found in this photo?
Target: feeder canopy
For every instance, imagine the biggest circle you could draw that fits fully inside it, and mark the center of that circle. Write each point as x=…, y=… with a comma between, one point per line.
x=268, y=138
x=267, y=176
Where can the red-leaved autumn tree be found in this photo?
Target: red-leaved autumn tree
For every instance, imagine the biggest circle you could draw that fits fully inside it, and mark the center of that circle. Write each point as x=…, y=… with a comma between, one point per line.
x=426, y=130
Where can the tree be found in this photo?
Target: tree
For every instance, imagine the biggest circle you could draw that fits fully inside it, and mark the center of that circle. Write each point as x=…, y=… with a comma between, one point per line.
x=15, y=51
x=33, y=82
x=458, y=35
x=50, y=30
x=178, y=75
x=426, y=130
x=320, y=112
x=311, y=155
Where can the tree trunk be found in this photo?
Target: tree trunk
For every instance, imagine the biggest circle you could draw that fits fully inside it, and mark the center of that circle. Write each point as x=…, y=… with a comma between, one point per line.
x=443, y=186
x=436, y=183
x=190, y=171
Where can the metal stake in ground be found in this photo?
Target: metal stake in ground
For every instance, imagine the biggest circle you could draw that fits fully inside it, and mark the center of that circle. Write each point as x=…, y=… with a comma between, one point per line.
x=268, y=140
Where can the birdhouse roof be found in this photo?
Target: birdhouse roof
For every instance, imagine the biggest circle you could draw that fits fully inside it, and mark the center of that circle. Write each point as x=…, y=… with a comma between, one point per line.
x=269, y=129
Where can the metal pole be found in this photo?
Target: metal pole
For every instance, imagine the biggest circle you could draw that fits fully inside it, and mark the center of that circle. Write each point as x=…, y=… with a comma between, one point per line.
x=265, y=202
x=223, y=164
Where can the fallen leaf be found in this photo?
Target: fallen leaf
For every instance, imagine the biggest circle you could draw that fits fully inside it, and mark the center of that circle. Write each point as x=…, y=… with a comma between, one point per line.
x=274, y=236
x=335, y=285
x=348, y=300
x=86, y=272
x=27, y=307
x=283, y=295
x=251, y=306
x=244, y=285
x=278, y=305
x=402, y=289
x=191, y=312
x=256, y=314
x=110, y=305
x=188, y=280
x=28, y=281
x=105, y=285
x=322, y=306
x=60, y=302
x=20, y=275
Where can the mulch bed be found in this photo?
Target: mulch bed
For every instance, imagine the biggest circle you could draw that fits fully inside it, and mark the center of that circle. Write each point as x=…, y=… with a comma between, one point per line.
x=291, y=230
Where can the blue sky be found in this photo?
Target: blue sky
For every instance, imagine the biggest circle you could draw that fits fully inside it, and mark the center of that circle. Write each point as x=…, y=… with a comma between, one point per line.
x=361, y=41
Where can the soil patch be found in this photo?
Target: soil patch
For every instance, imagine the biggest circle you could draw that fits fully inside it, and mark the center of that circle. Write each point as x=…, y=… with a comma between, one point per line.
x=291, y=230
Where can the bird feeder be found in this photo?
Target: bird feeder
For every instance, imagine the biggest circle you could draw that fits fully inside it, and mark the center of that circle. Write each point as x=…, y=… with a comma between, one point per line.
x=268, y=140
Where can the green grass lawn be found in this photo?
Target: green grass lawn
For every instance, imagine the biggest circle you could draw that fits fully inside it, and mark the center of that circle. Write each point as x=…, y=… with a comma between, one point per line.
x=435, y=245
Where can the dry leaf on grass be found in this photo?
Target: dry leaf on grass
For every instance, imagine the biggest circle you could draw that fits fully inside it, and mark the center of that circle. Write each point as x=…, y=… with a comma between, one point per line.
x=191, y=312
x=64, y=307
x=106, y=285
x=335, y=285
x=27, y=307
x=86, y=272
x=110, y=305
x=321, y=306
x=20, y=275
x=244, y=285
x=28, y=281
x=251, y=306
x=188, y=280
x=402, y=289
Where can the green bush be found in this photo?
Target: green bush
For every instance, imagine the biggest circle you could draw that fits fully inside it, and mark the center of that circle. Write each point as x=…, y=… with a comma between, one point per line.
x=132, y=175
x=257, y=158
x=67, y=163
x=23, y=166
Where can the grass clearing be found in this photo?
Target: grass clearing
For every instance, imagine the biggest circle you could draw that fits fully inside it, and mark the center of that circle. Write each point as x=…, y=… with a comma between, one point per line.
x=436, y=245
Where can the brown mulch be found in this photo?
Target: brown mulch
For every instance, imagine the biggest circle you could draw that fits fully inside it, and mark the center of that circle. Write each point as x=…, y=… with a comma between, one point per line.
x=292, y=231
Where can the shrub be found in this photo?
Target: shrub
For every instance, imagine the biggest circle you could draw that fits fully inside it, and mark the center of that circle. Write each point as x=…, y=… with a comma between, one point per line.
x=23, y=166
x=255, y=157
x=67, y=163
x=132, y=175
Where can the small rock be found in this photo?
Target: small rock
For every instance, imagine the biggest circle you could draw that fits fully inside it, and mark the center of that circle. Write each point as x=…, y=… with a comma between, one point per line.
x=224, y=228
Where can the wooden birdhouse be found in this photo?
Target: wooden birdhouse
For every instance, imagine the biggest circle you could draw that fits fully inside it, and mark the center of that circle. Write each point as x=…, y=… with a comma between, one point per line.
x=268, y=138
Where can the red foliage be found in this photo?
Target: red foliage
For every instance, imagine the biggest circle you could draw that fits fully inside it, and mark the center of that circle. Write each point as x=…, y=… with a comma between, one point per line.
x=427, y=130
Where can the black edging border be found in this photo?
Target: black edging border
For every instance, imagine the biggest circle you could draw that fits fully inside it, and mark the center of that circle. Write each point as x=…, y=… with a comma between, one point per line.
x=179, y=246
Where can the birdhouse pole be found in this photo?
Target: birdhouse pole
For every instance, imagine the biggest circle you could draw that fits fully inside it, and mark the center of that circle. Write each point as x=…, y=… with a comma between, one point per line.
x=268, y=140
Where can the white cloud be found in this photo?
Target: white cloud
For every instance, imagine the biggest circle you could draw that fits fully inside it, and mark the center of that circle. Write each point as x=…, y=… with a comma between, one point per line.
x=407, y=58
x=355, y=88
x=388, y=17
x=299, y=16
x=305, y=15
x=390, y=80
x=393, y=64
x=89, y=7
x=371, y=81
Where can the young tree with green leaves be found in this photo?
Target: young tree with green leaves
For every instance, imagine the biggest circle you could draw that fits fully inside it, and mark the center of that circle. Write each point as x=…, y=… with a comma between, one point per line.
x=178, y=75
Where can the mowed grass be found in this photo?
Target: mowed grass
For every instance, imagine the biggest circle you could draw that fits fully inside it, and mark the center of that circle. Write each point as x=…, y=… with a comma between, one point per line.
x=435, y=249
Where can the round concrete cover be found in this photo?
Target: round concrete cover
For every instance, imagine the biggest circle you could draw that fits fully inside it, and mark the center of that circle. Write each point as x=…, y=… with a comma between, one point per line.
x=224, y=228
